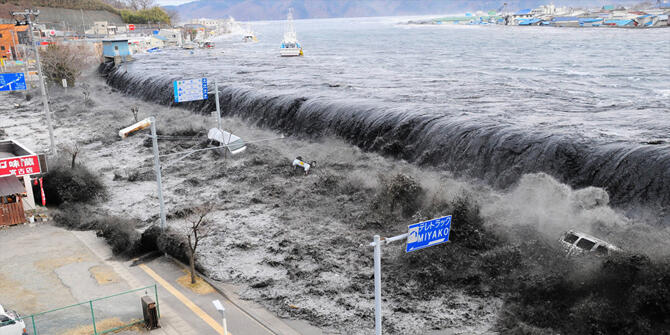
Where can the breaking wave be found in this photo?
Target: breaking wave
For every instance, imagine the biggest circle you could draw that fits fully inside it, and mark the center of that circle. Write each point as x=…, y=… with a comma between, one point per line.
x=636, y=176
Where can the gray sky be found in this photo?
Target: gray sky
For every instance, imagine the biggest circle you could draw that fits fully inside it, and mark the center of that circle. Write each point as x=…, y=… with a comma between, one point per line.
x=172, y=2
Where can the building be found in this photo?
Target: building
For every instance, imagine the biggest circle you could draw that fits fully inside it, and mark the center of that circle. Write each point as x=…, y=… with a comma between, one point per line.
x=11, y=36
x=173, y=37
x=116, y=50
x=12, y=192
x=17, y=165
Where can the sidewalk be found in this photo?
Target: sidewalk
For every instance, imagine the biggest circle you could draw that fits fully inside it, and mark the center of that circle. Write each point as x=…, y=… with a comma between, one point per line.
x=44, y=267
x=184, y=311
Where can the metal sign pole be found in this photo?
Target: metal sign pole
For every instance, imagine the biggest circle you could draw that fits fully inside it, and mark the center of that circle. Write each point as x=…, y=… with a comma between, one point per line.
x=157, y=167
x=377, y=244
x=378, y=286
x=218, y=108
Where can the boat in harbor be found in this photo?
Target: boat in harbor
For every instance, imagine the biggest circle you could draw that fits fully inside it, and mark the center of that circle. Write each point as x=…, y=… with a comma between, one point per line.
x=290, y=46
x=249, y=35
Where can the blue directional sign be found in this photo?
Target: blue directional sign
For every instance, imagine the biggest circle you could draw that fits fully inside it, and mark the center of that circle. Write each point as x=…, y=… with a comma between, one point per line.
x=12, y=81
x=428, y=233
x=190, y=90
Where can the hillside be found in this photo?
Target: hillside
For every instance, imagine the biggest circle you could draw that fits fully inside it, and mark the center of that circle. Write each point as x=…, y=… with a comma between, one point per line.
x=6, y=6
x=276, y=9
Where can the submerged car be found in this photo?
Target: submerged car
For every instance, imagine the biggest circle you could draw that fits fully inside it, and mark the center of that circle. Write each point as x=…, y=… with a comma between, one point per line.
x=11, y=323
x=575, y=243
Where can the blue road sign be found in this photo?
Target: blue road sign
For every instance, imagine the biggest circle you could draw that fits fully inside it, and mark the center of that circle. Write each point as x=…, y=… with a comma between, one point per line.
x=428, y=233
x=190, y=90
x=12, y=81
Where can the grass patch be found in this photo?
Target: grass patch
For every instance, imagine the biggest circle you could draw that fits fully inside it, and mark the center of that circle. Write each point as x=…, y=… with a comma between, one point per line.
x=200, y=287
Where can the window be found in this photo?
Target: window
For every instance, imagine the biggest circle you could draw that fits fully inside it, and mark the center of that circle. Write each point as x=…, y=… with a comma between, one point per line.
x=585, y=244
x=0, y=35
x=2, y=47
x=570, y=238
x=5, y=321
x=116, y=47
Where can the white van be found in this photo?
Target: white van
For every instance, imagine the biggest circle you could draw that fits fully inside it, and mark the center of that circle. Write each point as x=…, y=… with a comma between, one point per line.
x=575, y=243
x=11, y=323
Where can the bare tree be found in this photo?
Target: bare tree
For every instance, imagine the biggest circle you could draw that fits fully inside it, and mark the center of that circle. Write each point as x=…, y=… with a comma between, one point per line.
x=173, y=15
x=85, y=90
x=141, y=4
x=71, y=149
x=199, y=227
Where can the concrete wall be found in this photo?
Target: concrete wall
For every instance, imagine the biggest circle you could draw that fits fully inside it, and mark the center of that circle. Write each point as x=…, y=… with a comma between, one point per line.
x=60, y=19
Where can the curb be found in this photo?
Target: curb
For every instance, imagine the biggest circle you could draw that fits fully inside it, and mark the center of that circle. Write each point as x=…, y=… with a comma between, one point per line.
x=236, y=302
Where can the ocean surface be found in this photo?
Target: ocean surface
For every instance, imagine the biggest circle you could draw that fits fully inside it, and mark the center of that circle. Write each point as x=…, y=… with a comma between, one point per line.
x=589, y=106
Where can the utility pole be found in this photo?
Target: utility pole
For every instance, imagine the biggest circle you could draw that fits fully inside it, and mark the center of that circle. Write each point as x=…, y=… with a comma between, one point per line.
x=157, y=167
x=378, y=285
x=45, y=100
x=218, y=108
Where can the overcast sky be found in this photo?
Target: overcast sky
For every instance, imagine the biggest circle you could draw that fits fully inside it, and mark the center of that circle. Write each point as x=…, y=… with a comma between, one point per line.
x=172, y=2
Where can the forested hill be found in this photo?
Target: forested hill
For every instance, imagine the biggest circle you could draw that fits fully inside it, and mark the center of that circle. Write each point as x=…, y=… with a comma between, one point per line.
x=303, y=9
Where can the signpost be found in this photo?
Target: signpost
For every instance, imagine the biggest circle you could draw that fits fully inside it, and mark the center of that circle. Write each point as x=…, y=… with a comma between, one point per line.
x=131, y=27
x=12, y=81
x=419, y=235
x=428, y=233
x=190, y=90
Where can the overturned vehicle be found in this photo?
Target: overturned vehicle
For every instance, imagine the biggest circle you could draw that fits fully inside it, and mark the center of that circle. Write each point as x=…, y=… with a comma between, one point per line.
x=577, y=243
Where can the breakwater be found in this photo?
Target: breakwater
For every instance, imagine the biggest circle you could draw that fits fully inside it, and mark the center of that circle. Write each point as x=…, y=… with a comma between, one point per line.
x=633, y=174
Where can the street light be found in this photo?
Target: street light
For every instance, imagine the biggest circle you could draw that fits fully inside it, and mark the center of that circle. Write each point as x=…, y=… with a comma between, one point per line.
x=25, y=18
x=222, y=310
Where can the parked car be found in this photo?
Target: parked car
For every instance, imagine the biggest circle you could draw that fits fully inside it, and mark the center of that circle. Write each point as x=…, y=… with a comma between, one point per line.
x=575, y=243
x=11, y=323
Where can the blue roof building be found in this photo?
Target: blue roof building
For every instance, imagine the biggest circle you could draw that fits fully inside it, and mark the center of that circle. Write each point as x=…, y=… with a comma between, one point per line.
x=112, y=48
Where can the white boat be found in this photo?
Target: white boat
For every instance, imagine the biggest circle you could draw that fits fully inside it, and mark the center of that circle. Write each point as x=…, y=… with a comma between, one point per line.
x=249, y=35
x=290, y=45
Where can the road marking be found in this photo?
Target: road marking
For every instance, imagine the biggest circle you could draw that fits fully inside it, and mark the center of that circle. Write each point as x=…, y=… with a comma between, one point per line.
x=188, y=303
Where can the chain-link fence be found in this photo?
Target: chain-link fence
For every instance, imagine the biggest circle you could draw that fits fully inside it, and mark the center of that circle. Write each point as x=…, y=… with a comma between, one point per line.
x=97, y=316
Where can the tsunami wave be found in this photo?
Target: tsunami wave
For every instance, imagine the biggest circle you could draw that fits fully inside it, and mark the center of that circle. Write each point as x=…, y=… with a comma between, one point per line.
x=636, y=176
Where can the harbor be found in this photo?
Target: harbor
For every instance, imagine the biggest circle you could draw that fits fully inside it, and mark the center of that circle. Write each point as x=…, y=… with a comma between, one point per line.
x=608, y=16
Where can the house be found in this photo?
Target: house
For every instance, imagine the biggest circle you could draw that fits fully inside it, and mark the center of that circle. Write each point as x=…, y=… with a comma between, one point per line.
x=157, y=41
x=172, y=37
x=12, y=192
x=10, y=37
x=17, y=165
x=116, y=50
x=99, y=28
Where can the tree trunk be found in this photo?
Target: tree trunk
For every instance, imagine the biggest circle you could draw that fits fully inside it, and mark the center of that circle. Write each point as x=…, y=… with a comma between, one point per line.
x=192, y=264
x=74, y=158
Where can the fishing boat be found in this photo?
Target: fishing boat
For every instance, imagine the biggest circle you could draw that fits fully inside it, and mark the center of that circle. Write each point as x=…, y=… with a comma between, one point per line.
x=290, y=46
x=249, y=35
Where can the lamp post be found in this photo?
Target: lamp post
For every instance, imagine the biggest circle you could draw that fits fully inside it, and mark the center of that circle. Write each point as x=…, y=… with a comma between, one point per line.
x=222, y=310
x=27, y=14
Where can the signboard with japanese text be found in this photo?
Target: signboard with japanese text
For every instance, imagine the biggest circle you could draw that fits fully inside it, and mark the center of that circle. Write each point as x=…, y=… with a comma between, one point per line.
x=12, y=81
x=190, y=90
x=428, y=233
x=20, y=166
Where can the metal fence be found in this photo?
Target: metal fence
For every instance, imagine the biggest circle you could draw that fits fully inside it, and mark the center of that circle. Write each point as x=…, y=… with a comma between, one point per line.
x=97, y=316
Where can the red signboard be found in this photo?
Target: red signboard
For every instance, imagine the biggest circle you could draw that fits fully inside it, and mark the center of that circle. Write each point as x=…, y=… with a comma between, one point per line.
x=20, y=166
x=131, y=27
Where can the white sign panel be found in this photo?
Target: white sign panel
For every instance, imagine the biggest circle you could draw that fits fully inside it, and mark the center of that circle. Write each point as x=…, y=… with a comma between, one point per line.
x=190, y=90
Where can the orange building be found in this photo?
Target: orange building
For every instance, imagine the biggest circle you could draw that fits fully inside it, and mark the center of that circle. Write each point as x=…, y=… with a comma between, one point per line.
x=10, y=37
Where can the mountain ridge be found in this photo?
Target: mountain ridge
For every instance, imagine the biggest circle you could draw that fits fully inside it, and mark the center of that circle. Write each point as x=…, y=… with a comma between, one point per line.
x=253, y=10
